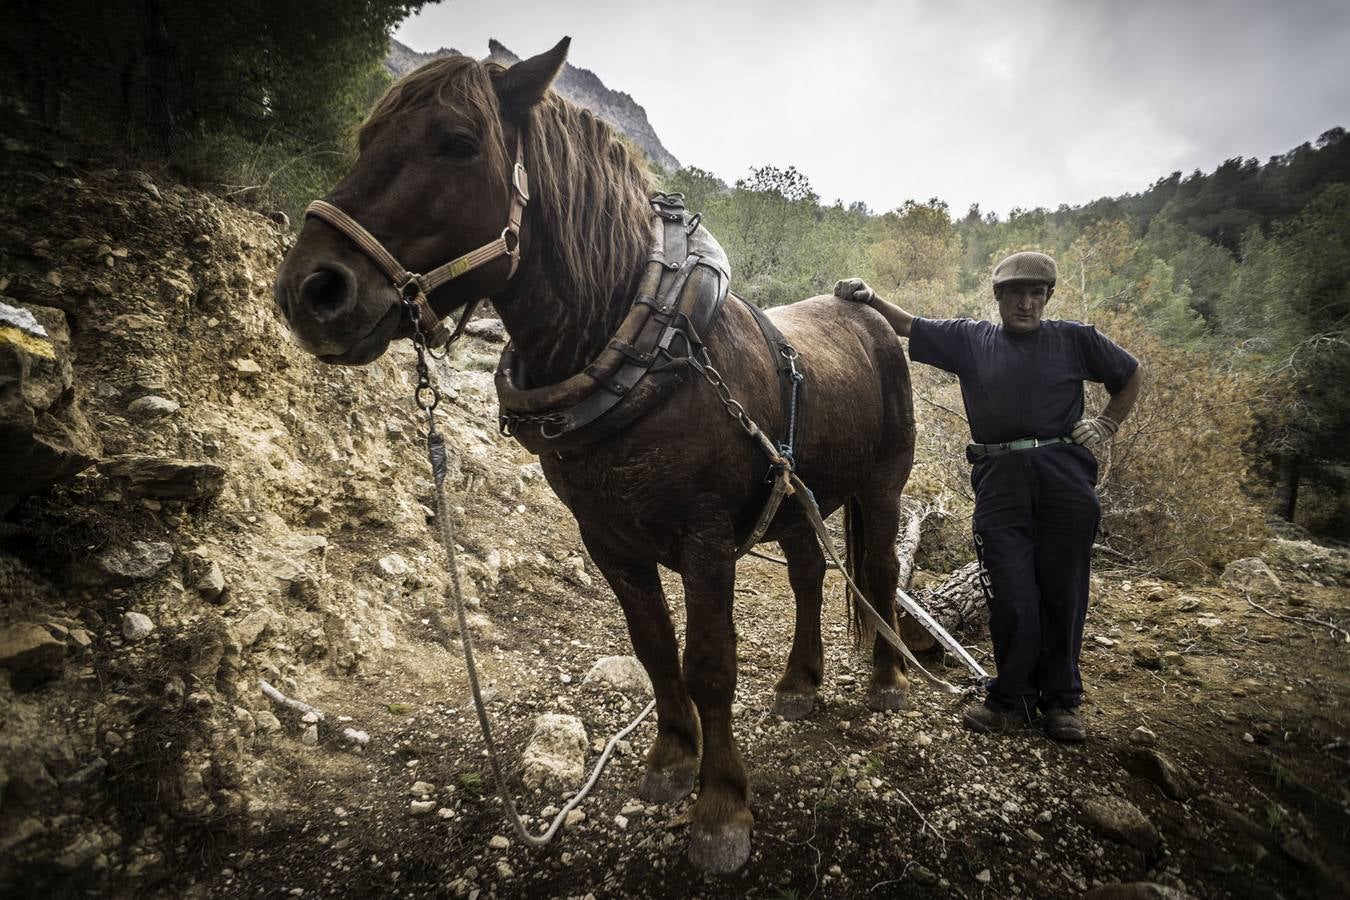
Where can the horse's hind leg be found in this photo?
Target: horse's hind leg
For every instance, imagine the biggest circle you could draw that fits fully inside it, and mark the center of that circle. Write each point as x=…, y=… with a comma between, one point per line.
x=720, y=822
x=879, y=512
x=795, y=694
x=672, y=761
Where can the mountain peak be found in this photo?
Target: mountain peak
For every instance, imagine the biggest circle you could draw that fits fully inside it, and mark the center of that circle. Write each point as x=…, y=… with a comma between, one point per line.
x=580, y=86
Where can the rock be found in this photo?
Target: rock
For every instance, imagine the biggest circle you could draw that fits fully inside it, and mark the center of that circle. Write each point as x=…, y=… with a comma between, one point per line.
x=1250, y=576
x=244, y=719
x=555, y=756
x=394, y=567
x=421, y=807
x=531, y=472
x=984, y=876
x=252, y=626
x=267, y=721
x=487, y=330
x=211, y=583
x=499, y=842
x=136, y=626
x=573, y=818
x=165, y=478
x=1103, y=640
x=1143, y=737
x=1188, y=603
x=123, y=564
x=45, y=437
x=152, y=406
x=310, y=737
x=621, y=673
x=31, y=654
x=19, y=831
x=1153, y=766
x=922, y=874
x=1121, y=820
x=246, y=367
x=1136, y=890
x=1146, y=656
x=422, y=788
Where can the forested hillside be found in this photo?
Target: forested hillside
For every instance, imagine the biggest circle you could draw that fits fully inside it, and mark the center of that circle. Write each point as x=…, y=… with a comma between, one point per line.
x=1246, y=267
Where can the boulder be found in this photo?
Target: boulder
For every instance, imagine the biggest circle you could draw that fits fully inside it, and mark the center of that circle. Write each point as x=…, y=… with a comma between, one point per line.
x=491, y=330
x=165, y=478
x=251, y=627
x=152, y=406
x=31, y=654
x=555, y=757
x=1154, y=767
x=44, y=435
x=620, y=673
x=136, y=626
x=123, y=564
x=1121, y=820
x=1250, y=576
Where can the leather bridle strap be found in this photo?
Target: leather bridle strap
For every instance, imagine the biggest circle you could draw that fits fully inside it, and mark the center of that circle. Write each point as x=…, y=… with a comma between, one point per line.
x=507, y=244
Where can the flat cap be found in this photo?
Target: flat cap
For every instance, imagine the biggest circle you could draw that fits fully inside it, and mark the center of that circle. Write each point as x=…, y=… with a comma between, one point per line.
x=1026, y=266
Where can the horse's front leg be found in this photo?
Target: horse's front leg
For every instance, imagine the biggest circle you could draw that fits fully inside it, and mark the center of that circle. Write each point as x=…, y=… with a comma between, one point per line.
x=720, y=822
x=672, y=761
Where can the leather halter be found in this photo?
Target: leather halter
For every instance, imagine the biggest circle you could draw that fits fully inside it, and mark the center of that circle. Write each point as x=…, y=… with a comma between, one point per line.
x=405, y=281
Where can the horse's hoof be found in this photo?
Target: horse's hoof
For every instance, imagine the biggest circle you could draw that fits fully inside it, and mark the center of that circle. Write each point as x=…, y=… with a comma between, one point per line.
x=793, y=706
x=667, y=785
x=890, y=699
x=719, y=851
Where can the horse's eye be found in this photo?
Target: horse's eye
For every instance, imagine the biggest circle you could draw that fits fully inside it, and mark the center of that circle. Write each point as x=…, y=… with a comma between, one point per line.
x=458, y=146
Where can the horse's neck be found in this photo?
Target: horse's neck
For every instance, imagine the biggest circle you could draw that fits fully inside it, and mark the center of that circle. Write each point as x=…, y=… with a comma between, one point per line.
x=557, y=336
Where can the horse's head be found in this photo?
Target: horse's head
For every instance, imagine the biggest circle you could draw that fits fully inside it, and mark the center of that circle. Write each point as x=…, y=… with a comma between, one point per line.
x=432, y=182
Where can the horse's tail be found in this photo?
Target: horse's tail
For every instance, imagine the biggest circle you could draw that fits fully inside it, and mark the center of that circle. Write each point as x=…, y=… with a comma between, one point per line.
x=855, y=558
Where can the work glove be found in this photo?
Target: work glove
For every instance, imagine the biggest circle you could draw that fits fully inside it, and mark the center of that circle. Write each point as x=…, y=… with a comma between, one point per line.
x=854, y=289
x=1091, y=432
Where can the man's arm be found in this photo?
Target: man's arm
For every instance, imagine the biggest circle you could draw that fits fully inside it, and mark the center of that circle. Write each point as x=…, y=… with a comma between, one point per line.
x=1089, y=432
x=857, y=289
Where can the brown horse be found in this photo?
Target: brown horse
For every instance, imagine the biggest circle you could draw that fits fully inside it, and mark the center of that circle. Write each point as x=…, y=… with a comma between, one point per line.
x=674, y=488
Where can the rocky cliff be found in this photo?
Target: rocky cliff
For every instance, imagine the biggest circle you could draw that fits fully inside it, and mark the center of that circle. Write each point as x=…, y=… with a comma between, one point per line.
x=581, y=86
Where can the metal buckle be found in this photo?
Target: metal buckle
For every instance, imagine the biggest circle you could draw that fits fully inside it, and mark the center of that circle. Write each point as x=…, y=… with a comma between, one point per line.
x=520, y=180
x=512, y=246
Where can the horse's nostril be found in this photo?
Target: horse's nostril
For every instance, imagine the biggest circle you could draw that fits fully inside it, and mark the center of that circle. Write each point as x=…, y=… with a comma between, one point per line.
x=326, y=292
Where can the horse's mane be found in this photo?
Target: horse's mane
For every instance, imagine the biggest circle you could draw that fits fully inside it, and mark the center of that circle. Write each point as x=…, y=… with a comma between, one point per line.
x=587, y=187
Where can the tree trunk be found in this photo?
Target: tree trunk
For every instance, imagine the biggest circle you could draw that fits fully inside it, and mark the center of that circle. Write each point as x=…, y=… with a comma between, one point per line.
x=1287, y=489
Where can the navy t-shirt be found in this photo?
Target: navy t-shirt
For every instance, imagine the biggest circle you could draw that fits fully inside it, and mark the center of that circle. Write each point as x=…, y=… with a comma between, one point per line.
x=1021, y=385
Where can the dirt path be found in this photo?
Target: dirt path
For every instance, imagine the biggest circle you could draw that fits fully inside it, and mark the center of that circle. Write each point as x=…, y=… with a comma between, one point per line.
x=849, y=803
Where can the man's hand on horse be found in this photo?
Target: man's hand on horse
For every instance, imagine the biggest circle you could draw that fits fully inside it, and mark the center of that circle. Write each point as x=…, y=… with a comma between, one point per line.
x=854, y=289
x=1091, y=432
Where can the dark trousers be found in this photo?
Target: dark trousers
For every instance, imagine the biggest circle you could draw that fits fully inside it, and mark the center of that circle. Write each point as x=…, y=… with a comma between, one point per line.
x=1036, y=514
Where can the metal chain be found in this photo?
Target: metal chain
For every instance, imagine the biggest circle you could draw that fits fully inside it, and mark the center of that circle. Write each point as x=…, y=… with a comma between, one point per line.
x=428, y=397
x=702, y=364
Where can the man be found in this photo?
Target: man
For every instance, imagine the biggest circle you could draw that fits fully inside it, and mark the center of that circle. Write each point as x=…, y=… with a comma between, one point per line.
x=1036, y=507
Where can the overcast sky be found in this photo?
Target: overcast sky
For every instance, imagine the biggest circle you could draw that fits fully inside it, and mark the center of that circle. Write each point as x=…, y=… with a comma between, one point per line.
x=1005, y=104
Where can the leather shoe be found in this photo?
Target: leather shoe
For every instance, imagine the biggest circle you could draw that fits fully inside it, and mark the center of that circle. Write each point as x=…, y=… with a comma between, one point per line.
x=1064, y=725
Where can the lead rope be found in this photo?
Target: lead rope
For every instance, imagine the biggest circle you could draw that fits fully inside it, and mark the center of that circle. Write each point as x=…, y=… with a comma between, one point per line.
x=428, y=397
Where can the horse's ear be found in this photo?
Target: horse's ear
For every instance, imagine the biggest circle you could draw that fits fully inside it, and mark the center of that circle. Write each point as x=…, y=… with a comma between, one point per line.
x=524, y=84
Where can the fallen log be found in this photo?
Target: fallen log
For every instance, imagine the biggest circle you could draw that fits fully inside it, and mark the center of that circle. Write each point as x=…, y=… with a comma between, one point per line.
x=957, y=604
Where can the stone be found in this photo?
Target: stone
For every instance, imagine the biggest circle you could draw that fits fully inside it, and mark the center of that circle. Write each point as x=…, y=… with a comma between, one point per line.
x=499, y=842
x=211, y=583
x=246, y=367
x=487, y=330
x=1250, y=576
x=45, y=437
x=1146, y=656
x=531, y=472
x=152, y=406
x=310, y=737
x=1143, y=736
x=32, y=655
x=555, y=756
x=922, y=874
x=165, y=478
x=421, y=807
x=573, y=818
x=267, y=721
x=984, y=876
x=1152, y=766
x=394, y=567
x=620, y=673
x=19, y=831
x=1136, y=890
x=252, y=626
x=1188, y=603
x=136, y=626
x=422, y=788
x=123, y=564
x=244, y=719
x=1121, y=820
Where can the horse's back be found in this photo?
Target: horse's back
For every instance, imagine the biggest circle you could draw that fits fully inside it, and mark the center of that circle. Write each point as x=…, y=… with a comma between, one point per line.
x=857, y=408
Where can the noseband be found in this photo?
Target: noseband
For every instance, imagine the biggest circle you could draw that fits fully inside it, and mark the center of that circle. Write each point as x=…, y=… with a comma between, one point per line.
x=414, y=288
